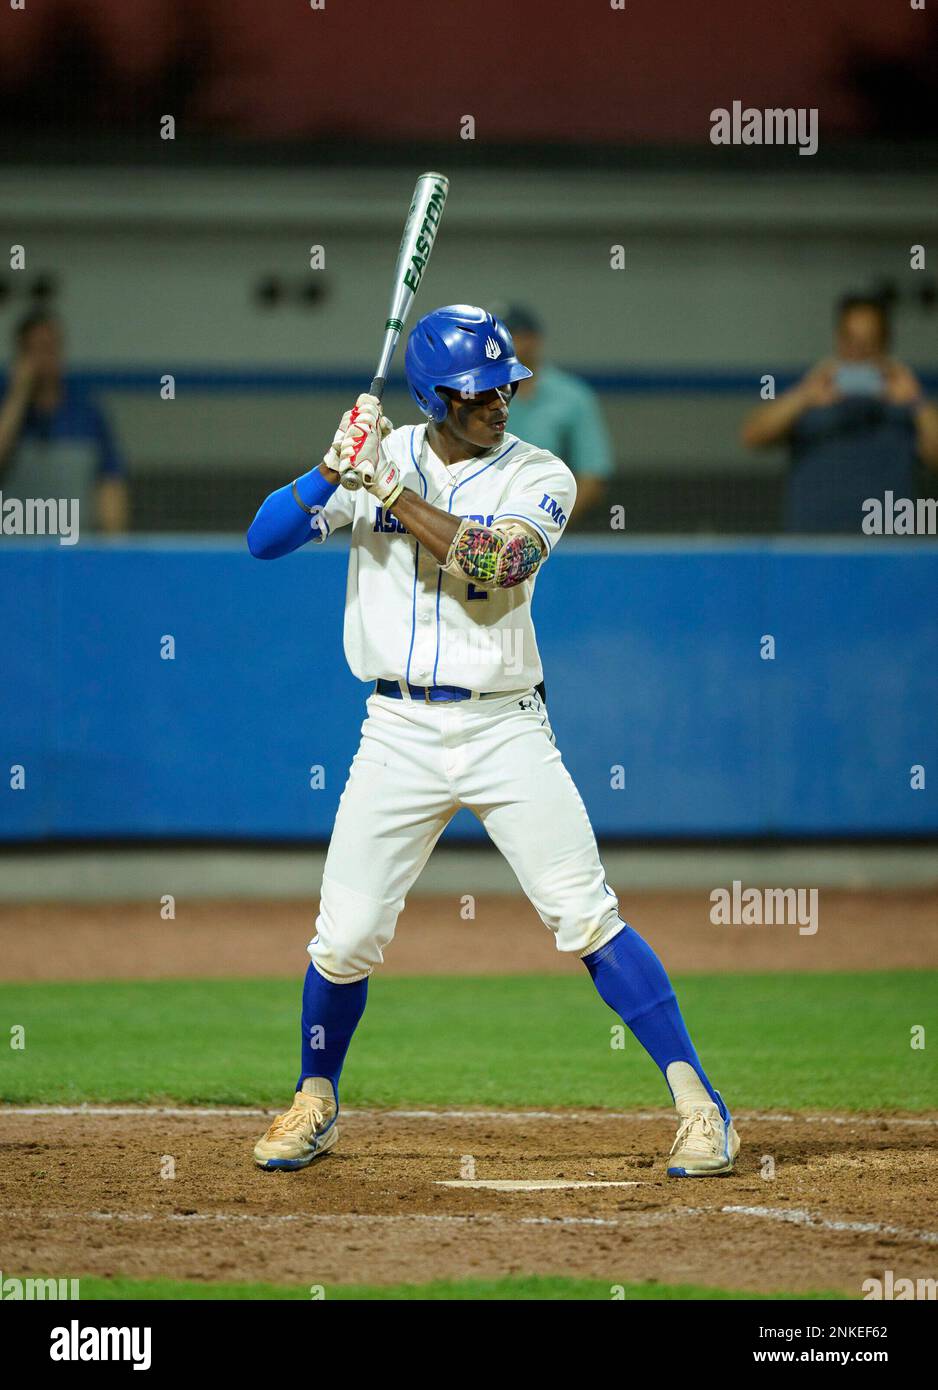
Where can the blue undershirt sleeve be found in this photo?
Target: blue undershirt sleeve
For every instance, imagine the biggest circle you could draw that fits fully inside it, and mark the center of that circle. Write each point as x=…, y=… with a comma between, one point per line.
x=280, y=525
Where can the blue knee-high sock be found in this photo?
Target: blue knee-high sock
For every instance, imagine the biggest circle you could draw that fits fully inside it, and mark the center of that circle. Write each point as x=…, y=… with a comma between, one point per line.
x=633, y=982
x=330, y=1016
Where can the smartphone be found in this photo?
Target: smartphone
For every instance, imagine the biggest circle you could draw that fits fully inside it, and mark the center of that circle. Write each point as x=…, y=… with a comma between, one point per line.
x=858, y=379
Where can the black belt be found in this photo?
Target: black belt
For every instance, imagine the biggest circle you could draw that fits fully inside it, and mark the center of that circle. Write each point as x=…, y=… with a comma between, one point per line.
x=433, y=693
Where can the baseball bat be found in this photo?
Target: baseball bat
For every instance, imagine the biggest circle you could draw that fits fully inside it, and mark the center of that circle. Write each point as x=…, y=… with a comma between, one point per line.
x=420, y=229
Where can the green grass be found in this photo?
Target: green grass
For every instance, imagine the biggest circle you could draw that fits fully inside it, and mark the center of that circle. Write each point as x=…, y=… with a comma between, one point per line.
x=833, y=1041
x=513, y=1287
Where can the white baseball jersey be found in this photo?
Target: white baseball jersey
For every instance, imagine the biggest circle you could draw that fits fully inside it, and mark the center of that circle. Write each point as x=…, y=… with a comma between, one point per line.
x=407, y=620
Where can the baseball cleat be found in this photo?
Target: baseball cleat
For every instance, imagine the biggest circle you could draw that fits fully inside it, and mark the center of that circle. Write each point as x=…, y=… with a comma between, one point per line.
x=304, y=1132
x=707, y=1143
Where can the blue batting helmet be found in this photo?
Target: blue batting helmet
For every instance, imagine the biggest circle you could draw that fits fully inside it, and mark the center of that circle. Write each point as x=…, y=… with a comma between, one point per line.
x=463, y=348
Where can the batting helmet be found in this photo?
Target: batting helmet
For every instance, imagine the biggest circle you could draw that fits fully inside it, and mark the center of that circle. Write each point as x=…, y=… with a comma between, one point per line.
x=463, y=348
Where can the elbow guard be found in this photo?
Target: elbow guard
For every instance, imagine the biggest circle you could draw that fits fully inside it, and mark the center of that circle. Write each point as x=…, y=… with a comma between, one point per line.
x=494, y=557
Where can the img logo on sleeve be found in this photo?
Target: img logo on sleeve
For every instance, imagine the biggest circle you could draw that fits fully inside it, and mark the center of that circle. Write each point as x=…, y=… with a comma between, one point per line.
x=553, y=509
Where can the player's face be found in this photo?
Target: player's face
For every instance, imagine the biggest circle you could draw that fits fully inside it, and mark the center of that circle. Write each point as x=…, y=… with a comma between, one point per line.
x=480, y=420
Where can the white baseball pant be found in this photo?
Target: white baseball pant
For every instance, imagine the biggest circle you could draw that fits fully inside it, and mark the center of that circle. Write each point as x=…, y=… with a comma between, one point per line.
x=418, y=764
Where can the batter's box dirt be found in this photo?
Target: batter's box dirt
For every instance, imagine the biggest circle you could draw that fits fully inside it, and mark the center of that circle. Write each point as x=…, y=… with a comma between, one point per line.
x=176, y=1196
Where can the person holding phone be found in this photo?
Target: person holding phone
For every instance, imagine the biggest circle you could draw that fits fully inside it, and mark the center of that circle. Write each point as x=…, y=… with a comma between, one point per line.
x=856, y=425
x=55, y=441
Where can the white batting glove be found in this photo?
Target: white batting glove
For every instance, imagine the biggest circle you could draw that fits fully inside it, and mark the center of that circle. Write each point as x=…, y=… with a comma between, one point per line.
x=332, y=456
x=387, y=484
x=358, y=451
x=361, y=460
x=384, y=477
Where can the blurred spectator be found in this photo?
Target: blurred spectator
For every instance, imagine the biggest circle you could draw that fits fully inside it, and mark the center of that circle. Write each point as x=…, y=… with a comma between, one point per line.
x=856, y=425
x=557, y=411
x=54, y=440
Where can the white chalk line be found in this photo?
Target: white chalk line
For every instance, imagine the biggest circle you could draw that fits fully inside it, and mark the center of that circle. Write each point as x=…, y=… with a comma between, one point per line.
x=805, y=1219
x=514, y=1116
x=533, y=1184
x=338, y=1218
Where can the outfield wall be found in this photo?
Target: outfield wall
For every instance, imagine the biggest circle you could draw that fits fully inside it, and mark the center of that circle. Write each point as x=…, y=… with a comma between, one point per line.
x=652, y=656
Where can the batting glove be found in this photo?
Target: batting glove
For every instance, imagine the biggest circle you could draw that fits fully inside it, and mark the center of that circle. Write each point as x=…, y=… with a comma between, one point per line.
x=387, y=483
x=373, y=471
x=359, y=447
x=331, y=458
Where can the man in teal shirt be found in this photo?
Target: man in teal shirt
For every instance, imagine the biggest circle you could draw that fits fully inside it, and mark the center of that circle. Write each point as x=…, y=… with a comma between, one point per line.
x=557, y=411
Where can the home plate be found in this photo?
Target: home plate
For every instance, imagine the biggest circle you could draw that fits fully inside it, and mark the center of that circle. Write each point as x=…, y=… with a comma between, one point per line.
x=529, y=1184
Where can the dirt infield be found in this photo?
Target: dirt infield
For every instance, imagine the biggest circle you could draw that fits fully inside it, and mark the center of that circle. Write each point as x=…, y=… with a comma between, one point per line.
x=49, y=941
x=817, y=1203
x=83, y=1194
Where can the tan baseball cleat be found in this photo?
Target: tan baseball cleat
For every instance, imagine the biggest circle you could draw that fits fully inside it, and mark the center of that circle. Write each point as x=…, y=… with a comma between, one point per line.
x=706, y=1145
x=304, y=1132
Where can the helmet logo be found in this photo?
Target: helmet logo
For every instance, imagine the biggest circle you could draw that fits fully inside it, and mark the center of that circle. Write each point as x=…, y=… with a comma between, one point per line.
x=492, y=348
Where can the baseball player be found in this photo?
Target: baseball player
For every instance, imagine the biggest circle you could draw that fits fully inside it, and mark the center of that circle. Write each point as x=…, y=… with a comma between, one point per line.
x=452, y=522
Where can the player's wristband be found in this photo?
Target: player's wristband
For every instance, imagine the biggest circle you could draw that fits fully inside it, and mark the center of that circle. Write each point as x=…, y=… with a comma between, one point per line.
x=320, y=488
